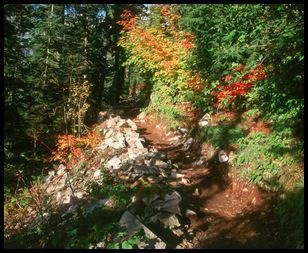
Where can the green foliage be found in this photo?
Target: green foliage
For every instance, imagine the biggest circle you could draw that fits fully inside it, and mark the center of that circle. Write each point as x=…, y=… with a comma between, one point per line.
x=290, y=211
x=121, y=194
x=229, y=35
x=221, y=136
x=261, y=157
x=166, y=111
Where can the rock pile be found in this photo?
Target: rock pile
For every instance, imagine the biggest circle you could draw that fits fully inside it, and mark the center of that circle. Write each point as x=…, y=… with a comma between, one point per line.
x=122, y=152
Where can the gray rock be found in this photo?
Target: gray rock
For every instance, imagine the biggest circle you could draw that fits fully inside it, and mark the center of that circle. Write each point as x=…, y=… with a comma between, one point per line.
x=157, y=155
x=139, y=144
x=149, y=199
x=178, y=232
x=196, y=192
x=201, y=161
x=100, y=245
x=150, y=170
x=111, y=123
x=117, y=145
x=132, y=138
x=79, y=195
x=97, y=174
x=114, y=163
x=169, y=204
x=222, y=156
x=177, y=175
x=91, y=207
x=40, y=219
x=161, y=164
x=102, y=202
x=182, y=130
x=161, y=245
x=173, y=139
x=61, y=170
x=204, y=121
x=167, y=219
x=142, y=245
x=150, y=162
x=108, y=141
x=119, y=142
x=67, y=199
x=136, y=153
x=141, y=116
x=133, y=225
x=108, y=133
x=190, y=213
x=51, y=174
x=132, y=124
x=56, y=186
x=171, y=221
x=58, y=198
x=121, y=122
x=188, y=143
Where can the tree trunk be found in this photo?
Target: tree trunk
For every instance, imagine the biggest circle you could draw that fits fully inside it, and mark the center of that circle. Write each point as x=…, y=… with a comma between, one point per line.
x=62, y=64
x=100, y=87
x=119, y=77
x=47, y=49
x=79, y=119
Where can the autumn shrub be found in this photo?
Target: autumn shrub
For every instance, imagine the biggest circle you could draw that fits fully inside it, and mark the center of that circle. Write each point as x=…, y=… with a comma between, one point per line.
x=158, y=47
x=77, y=106
x=70, y=149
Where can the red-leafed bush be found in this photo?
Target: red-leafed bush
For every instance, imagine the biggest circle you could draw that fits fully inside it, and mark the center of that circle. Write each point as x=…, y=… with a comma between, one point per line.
x=230, y=91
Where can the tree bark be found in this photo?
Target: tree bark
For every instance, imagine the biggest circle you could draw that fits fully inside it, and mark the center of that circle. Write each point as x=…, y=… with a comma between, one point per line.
x=119, y=77
x=47, y=49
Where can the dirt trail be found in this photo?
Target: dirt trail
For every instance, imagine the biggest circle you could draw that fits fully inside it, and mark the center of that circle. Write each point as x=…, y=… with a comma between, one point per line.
x=229, y=213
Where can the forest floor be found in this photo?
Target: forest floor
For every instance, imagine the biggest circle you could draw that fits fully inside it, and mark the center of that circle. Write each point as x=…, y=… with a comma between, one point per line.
x=230, y=212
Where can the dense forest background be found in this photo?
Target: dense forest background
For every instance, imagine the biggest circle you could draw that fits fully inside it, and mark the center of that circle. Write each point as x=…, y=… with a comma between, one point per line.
x=63, y=63
x=60, y=61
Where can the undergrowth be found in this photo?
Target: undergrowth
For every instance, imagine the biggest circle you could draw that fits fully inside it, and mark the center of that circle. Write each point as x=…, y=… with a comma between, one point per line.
x=82, y=229
x=274, y=162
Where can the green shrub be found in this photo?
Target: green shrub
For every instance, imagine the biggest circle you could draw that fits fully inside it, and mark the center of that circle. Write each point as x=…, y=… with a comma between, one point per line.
x=221, y=136
x=290, y=212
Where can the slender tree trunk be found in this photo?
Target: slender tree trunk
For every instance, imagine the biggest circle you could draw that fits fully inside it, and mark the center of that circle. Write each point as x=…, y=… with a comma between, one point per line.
x=119, y=77
x=48, y=43
x=100, y=88
x=79, y=119
x=34, y=144
x=63, y=65
x=86, y=34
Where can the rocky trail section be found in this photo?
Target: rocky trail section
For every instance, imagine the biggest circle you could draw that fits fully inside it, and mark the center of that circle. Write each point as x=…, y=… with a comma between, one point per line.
x=218, y=209
x=187, y=197
x=123, y=153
